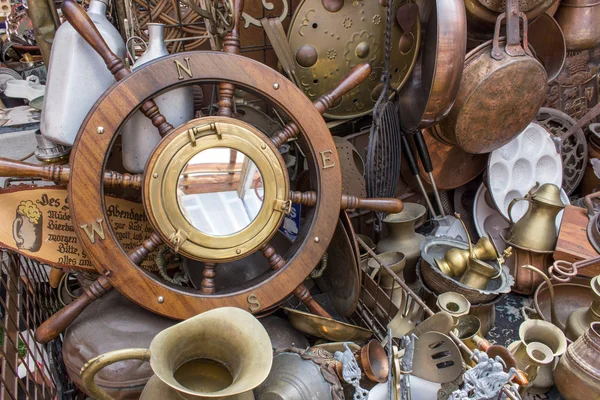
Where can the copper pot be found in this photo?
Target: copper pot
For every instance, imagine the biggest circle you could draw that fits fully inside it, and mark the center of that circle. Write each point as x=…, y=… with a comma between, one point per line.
x=579, y=22
x=526, y=280
x=482, y=14
x=502, y=89
x=577, y=375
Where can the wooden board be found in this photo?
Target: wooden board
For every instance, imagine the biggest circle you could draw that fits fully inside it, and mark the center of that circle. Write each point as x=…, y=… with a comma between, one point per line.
x=36, y=222
x=573, y=244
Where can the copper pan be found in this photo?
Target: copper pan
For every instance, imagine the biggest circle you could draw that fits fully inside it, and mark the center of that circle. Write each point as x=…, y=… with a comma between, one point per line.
x=431, y=89
x=452, y=166
x=548, y=42
x=569, y=295
x=502, y=89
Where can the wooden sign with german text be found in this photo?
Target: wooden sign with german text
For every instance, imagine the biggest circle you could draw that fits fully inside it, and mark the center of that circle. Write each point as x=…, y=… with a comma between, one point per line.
x=36, y=222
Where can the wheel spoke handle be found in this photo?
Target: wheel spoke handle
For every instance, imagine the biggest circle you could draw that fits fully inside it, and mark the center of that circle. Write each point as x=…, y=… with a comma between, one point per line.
x=355, y=77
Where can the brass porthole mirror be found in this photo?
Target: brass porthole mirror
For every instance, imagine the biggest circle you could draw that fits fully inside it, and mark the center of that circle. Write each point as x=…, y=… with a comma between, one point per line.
x=214, y=223
x=187, y=221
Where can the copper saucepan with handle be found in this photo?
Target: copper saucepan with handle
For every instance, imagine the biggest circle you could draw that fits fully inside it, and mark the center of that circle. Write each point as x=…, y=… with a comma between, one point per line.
x=502, y=89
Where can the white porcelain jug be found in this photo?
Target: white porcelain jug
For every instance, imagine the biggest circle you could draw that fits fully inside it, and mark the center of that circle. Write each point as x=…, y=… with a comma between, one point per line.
x=77, y=76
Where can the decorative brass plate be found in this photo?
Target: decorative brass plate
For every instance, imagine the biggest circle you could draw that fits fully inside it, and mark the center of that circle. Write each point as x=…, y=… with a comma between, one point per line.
x=166, y=165
x=327, y=45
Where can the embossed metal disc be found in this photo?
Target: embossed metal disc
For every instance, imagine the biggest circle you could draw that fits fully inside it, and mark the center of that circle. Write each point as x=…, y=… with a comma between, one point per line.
x=327, y=45
x=574, y=150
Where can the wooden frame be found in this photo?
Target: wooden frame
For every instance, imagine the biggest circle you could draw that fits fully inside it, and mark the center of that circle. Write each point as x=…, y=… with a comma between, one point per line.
x=112, y=110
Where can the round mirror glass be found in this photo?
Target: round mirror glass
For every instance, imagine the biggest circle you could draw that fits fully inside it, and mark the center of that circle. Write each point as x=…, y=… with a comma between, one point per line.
x=220, y=191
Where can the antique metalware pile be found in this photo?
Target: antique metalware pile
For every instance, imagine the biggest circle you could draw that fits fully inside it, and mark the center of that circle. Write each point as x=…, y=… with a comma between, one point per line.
x=300, y=200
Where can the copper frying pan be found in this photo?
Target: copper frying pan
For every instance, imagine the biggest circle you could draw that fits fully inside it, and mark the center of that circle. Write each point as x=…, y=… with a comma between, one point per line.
x=431, y=89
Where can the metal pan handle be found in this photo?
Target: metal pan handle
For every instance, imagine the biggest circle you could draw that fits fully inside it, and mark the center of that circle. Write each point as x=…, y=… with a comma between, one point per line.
x=93, y=366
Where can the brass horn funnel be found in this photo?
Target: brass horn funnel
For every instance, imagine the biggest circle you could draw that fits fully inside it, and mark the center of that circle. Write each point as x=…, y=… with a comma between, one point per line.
x=228, y=342
x=220, y=354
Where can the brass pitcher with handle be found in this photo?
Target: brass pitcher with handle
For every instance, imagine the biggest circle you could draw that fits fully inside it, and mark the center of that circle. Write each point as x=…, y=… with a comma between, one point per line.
x=223, y=353
x=536, y=230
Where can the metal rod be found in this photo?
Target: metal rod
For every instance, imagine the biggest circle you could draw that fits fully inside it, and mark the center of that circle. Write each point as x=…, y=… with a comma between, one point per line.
x=436, y=194
x=183, y=39
x=426, y=196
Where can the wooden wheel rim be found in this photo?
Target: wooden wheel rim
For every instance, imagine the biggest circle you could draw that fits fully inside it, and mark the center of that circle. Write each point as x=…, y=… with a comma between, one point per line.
x=96, y=137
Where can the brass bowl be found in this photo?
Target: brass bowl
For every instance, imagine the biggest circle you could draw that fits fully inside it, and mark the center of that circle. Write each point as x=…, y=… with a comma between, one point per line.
x=326, y=328
x=438, y=282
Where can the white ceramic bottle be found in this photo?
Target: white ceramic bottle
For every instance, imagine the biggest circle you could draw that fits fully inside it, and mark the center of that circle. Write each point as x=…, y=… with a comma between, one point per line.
x=77, y=76
x=139, y=136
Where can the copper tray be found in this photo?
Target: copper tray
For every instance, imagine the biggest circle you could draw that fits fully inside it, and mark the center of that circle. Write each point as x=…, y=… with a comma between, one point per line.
x=568, y=296
x=452, y=166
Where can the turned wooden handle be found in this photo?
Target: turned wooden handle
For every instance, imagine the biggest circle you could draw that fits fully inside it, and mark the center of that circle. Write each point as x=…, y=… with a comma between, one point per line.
x=82, y=23
x=303, y=294
x=231, y=45
x=56, y=324
x=20, y=169
x=61, y=174
x=386, y=205
x=355, y=77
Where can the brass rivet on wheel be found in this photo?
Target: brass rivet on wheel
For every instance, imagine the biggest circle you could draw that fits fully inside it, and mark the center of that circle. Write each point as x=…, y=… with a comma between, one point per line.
x=100, y=130
x=264, y=146
x=276, y=86
x=155, y=175
x=160, y=299
x=238, y=251
x=317, y=239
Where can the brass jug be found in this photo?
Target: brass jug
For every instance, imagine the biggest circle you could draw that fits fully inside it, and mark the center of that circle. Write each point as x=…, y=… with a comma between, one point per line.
x=479, y=273
x=456, y=260
x=537, y=356
x=538, y=331
x=223, y=353
x=536, y=230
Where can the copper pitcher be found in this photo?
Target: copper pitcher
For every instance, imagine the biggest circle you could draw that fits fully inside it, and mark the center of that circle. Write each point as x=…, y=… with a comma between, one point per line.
x=536, y=230
x=579, y=21
x=577, y=375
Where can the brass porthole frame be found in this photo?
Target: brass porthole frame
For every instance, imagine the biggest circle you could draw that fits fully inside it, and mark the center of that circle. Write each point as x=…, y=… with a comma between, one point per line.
x=168, y=162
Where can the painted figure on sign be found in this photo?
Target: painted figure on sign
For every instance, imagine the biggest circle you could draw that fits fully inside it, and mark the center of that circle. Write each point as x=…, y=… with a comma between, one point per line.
x=27, y=226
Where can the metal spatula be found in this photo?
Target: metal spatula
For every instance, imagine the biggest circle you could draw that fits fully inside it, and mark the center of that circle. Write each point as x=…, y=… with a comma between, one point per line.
x=437, y=358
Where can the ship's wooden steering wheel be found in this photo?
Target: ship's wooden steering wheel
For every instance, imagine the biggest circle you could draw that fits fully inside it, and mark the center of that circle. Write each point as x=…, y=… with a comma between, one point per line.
x=87, y=179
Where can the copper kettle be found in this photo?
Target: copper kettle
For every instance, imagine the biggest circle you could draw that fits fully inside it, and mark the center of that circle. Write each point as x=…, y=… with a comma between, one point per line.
x=536, y=230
